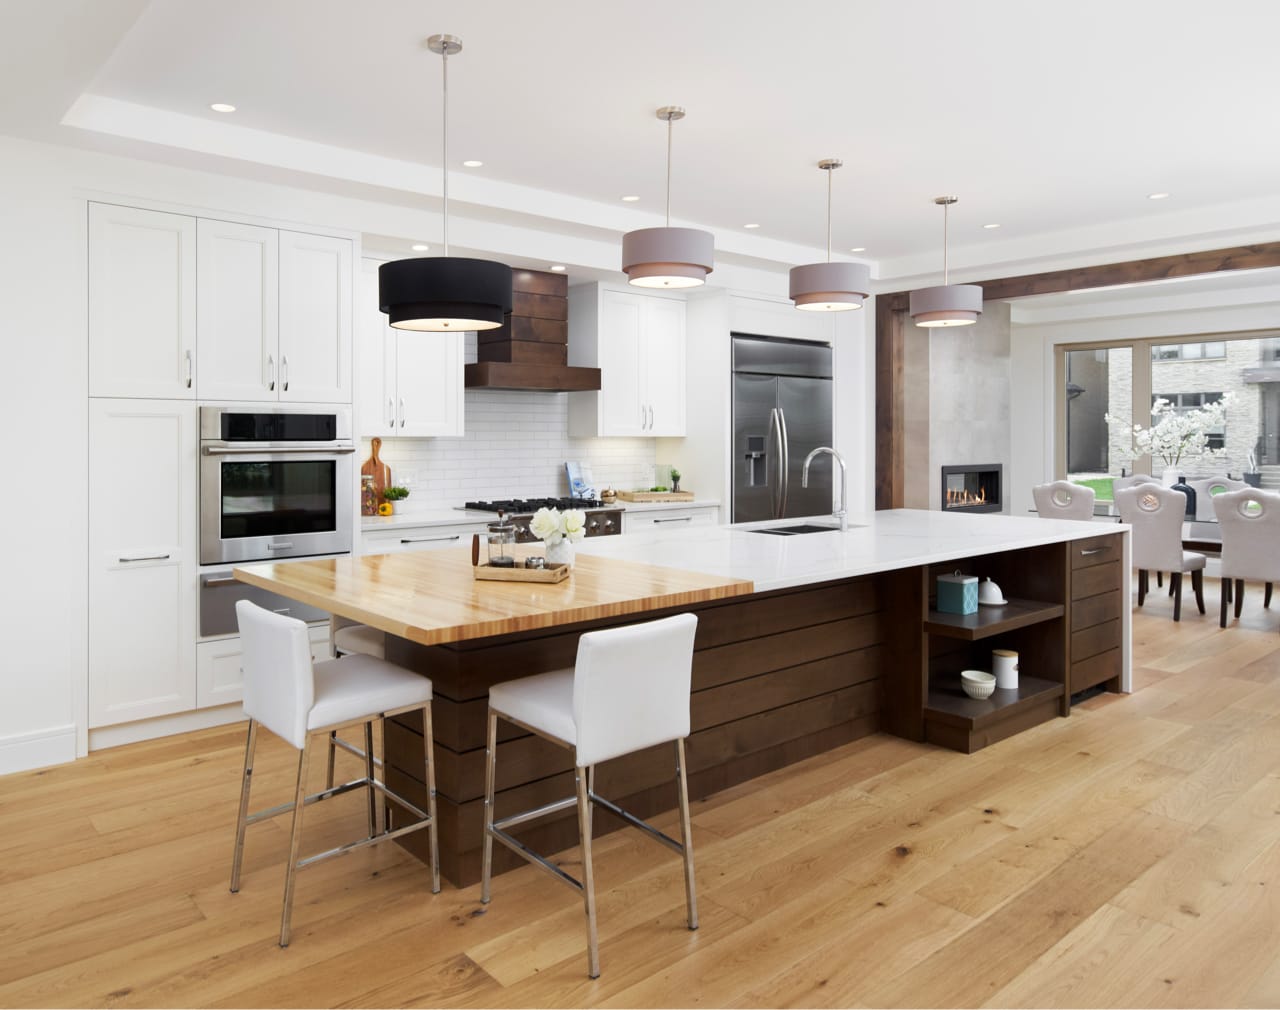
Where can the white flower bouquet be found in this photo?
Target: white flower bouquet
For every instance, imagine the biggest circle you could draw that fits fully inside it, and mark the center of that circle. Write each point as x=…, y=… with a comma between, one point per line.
x=552, y=526
x=1173, y=435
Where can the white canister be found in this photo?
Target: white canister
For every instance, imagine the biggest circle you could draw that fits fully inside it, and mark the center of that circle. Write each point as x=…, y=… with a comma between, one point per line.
x=1004, y=664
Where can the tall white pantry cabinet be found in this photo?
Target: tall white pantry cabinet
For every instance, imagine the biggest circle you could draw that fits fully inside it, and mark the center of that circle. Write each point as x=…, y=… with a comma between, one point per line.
x=185, y=309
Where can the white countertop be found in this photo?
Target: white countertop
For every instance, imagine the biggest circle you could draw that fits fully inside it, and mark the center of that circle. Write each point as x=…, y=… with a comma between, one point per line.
x=875, y=542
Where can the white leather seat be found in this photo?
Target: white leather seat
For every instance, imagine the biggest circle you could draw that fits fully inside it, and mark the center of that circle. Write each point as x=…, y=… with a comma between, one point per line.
x=1061, y=499
x=1156, y=514
x=628, y=690
x=294, y=698
x=360, y=638
x=1250, y=521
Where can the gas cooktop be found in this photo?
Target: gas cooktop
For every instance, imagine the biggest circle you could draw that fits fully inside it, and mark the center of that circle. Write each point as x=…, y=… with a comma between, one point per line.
x=519, y=506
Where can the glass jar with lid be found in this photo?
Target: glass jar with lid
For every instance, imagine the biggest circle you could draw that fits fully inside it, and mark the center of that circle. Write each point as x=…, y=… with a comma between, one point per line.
x=501, y=539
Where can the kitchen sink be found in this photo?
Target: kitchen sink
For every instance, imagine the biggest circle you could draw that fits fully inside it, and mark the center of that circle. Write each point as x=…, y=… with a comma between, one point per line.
x=791, y=531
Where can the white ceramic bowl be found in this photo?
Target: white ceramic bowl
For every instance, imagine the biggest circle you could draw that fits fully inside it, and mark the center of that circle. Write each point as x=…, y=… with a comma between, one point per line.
x=977, y=683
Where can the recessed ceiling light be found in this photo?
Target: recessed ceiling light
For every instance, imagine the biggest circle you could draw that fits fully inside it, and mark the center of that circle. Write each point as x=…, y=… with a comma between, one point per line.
x=420, y=247
x=222, y=107
x=858, y=248
x=557, y=267
x=473, y=164
x=990, y=226
x=630, y=199
x=1157, y=196
x=753, y=225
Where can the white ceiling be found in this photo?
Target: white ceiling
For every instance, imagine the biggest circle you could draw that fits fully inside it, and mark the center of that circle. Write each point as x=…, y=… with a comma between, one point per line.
x=1054, y=119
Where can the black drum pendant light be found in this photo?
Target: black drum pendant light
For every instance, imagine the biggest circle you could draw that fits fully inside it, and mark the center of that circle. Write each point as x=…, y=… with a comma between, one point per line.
x=438, y=293
x=829, y=287
x=949, y=304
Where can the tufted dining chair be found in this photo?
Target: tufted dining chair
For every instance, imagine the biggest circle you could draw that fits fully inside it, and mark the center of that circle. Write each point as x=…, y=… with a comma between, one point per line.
x=1250, y=521
x=1156, y=514
x=1208, y=489
x=1061, y=499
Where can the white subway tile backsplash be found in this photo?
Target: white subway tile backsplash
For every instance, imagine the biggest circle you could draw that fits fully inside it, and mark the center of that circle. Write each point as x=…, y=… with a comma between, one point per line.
x=516, y=444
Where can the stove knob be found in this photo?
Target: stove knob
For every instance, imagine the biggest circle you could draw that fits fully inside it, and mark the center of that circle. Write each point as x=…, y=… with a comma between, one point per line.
x=593, y=525
x=608, y=524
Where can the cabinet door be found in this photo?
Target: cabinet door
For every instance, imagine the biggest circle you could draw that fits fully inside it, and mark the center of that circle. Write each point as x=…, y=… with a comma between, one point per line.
x=418, y=538
x=142, y=559
x=662, y=349
x=142, y=303
x=315, y=318
x=375, y=355
x=623, y=410
x=239, y=318
x=220, y=676
x=428, y=383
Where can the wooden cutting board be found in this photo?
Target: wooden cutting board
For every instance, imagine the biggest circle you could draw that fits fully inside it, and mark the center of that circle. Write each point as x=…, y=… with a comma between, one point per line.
x=378, y=470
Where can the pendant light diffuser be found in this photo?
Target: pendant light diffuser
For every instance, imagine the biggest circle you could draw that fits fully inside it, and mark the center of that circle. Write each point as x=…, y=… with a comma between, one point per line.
x=668, y=257
x=948, y=304
x=829, y=287
x=438, y=293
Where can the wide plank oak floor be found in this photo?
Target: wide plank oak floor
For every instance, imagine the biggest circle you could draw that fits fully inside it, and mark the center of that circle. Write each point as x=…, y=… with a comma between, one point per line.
x=1126, y=856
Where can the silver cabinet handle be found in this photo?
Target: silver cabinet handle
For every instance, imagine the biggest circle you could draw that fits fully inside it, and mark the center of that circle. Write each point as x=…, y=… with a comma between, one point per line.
x=188, y=368
x=642, y=415
x=279, y=547
x=428, y=540
x=391, y=413
x=214, y=581
x=271, y=372
x=402, y=412
x=149, y=557
x=1090, y=553
x=651, y=418
x=682, y=519
x=284, y=372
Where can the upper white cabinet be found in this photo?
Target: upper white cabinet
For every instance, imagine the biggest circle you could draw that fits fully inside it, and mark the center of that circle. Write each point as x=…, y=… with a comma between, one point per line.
x=238, y=318
x=638, y=343
x=411, y=384
x=142, y=559
x=315, y=318
x=142, y=303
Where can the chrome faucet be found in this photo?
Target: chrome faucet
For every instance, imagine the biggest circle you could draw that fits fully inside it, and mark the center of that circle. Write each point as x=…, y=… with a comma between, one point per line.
x=842, y=513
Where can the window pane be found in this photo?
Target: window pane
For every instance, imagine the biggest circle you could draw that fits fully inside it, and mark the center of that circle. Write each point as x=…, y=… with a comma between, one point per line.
x=1099, y=382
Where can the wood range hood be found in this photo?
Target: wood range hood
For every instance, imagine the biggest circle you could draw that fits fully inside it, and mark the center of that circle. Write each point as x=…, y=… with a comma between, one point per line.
x=530, y=350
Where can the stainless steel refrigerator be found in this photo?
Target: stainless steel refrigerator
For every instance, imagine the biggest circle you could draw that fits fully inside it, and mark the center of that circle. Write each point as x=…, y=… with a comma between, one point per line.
x=781, y=411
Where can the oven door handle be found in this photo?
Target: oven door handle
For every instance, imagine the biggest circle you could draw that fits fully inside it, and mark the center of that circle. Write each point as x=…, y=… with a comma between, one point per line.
x=328, y=448
x=214, y=581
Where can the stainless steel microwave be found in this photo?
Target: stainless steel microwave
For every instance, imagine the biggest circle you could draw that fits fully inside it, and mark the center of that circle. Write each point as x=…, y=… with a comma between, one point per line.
x=275, y=483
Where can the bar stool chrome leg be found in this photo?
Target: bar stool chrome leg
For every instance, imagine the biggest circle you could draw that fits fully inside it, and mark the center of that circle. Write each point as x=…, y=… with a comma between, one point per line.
x=490, y=757
x=333, y=747
x=368, y=773
x=295, y=839
x=242, y=821
x=429, y=756
x=580, y=776
x=686, y=835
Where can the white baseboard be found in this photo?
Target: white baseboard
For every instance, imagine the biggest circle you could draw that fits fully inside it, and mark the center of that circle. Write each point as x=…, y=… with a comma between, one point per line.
x=165, y=725
x=24, y=751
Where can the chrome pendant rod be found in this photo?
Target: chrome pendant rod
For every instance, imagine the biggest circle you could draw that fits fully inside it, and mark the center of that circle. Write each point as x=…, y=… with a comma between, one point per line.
x=946, y=210
x=828, y=215
x=444, y=166
x=670, y=120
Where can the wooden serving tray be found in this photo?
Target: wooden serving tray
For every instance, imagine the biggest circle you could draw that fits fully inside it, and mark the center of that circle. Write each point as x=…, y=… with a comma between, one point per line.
x=639, y=496
x=552, y=573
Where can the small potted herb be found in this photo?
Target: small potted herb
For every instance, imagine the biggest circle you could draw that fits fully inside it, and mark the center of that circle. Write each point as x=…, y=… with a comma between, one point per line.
x=675, y=479
x=391, y=495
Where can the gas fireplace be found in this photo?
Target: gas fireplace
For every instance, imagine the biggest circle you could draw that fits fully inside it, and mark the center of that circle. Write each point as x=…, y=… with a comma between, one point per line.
x=972, y=488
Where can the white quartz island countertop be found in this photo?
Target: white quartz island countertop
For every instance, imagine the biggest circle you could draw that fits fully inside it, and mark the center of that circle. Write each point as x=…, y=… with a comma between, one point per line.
x=874, y=542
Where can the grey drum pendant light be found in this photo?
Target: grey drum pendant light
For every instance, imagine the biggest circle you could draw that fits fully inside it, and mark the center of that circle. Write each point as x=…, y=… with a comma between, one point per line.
x=829, y=287
x=668, y=257
x=950, y=304
x=438, y=293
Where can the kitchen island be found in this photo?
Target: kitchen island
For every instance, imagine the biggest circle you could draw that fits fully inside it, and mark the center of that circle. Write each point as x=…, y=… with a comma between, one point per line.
x=804, y=643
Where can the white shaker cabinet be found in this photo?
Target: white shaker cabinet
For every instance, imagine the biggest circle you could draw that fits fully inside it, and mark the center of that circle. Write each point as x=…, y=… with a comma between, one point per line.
x=315, y=318
x=638, y=343
x=142, y=303
x=238, y=315
x=411, y=383
x=142, y=559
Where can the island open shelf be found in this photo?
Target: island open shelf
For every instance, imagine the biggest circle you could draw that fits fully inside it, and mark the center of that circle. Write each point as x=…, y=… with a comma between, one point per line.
x=990, y=621
x=953, y=719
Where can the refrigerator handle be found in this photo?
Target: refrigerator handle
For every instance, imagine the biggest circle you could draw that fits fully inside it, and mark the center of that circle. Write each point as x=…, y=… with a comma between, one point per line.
x=784, y=466
x=776, y=434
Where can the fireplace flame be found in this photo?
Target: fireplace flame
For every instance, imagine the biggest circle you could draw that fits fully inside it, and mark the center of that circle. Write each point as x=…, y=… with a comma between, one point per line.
x=957, y=498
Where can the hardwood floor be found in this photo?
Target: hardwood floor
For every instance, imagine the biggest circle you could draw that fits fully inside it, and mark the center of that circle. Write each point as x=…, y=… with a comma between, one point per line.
x=1126, y=856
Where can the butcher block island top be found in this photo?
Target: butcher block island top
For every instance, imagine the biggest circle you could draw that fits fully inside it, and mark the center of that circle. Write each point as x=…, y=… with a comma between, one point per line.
x=431, y=598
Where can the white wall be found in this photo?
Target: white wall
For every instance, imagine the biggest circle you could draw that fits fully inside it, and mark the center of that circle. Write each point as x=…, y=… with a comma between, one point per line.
x=1039, y=325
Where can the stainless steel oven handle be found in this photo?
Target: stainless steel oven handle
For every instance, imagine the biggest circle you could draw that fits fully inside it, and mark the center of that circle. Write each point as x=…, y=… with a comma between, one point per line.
x=279, y=547
x=246, y=449
x=214, y=581
x=428, y=540
x=149, y=557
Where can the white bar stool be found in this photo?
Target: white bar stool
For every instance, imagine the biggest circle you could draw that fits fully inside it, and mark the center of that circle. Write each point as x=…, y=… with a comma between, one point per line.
x=294, y=698
x=347, y=637
x=628, y=690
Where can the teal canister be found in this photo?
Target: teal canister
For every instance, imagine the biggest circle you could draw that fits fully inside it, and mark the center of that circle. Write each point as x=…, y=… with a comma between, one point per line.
x=958, y=594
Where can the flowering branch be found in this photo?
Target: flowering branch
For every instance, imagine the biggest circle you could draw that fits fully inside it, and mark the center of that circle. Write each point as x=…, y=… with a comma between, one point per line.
x=1173, y=436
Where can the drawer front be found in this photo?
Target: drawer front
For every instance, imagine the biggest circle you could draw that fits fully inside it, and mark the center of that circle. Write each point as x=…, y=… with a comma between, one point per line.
x=419, y=538
x=1092, y=641
x=1095, y=550
x=1095, y=670
x=1095, y=579
x=1095, y=610
x=672, y=519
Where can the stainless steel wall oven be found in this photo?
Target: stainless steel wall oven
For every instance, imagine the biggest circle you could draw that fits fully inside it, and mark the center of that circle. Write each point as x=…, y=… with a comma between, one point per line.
x=275, y=483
